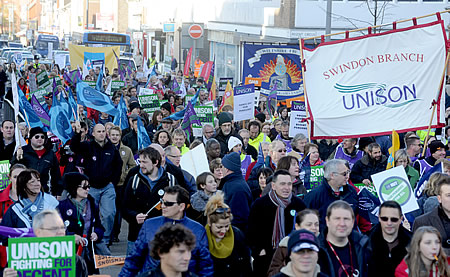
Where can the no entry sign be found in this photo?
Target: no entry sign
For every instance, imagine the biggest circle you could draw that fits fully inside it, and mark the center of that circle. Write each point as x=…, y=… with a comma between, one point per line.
x=195, y=31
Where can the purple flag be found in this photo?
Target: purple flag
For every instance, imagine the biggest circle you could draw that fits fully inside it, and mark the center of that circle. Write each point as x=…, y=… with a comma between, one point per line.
x=175, y=86
x=122, y=76
x=16, y=232
x=129, y=67
x=211, y=76
x=40, y=112
x=190, y=117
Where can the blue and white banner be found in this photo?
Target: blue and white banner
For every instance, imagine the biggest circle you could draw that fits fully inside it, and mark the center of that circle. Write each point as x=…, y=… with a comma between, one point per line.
x=373, y=84
x=275, y=63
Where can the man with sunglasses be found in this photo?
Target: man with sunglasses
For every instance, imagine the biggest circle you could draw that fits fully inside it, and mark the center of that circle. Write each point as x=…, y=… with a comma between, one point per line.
x=173, y=204
x=38, y=156
x=389, y=240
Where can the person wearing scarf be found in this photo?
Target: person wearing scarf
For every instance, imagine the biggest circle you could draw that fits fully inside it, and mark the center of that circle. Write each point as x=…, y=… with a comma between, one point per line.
x=271, y=219
x=229, y=252
x=81, y=218
x=32, y=200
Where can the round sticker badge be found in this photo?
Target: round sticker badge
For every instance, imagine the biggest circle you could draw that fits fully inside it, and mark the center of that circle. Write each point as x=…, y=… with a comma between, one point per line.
x=293, y=212
x=33, y=208
x=66, y=223
x=123, y=153
x=395, y=188
x=160, y=192
x=69, y=212
x=94, y=158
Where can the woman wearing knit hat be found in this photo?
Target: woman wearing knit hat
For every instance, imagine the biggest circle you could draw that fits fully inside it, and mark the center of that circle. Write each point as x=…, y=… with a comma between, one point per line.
x=235, y=145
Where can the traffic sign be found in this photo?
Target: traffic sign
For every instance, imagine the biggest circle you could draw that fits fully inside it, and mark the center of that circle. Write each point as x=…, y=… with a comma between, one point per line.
x=195, y=31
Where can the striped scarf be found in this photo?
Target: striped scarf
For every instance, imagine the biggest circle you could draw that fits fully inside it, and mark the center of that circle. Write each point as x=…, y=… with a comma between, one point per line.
x=278, y=225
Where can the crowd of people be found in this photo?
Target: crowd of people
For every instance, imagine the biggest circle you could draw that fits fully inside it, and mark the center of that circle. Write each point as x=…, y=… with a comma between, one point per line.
x=256, y=212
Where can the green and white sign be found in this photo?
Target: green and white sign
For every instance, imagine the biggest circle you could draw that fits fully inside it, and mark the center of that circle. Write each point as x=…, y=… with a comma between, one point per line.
x=149, y=103
x=50, y=256
x=117, y=85
x=4, y=171
x=92, y=84
x=43, y=81
x=39, y=94
x=393, y=185
x=313, y=177
x=206, y=116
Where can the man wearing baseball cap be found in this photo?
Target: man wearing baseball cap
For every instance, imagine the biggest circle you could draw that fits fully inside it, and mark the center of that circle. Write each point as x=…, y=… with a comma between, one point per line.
x=437, y=150
x=303, y=251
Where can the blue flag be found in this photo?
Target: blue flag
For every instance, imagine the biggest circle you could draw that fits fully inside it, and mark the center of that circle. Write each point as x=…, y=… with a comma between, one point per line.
x=143, y=138
x=99, y=84
x=121, y=118
x=59, y=122
x=180, y=114
x=73, y=105
x=367, y=205
x=418, y=191
x=94, y=99
x=27, y=110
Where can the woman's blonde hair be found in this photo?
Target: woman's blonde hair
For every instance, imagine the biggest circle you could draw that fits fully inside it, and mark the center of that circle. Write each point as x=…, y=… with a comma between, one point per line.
x=215, y=203
x=431, y=188
x=413, y=259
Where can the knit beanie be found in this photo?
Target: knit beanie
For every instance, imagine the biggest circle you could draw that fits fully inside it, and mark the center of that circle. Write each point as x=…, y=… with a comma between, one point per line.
x=224, y=117
x=37, y=130
x=232, y=162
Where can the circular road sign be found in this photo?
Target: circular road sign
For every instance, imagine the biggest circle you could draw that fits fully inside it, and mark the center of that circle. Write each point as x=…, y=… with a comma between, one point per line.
x=195, y=31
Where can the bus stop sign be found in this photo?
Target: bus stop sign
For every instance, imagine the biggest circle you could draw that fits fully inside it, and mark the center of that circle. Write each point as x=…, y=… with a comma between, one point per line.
x=195, y=31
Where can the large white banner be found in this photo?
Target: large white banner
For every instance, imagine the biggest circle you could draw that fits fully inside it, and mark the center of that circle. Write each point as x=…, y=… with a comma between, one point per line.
x=376, y=83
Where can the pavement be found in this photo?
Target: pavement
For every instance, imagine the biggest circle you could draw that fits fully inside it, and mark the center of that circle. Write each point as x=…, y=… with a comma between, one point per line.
x=117, y=249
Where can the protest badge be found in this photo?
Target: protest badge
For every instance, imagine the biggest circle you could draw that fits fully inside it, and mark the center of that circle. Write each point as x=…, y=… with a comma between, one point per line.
x=244, y=102
x=206, y=116
x=43, y=81
x=149, y=103
x=4, y=171
x=393, y=185
x=39, y=94
x=223, y=83
x=297, y=125
x=313, y=177
x=195, y=161
x=60, y=60
x=146, y=91
x=44, y=256
x=32, y=81
x=117, y=85
x=105, y=261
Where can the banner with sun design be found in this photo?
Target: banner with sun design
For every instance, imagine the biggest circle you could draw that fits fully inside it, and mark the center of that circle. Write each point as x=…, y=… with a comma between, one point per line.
x=275, y=64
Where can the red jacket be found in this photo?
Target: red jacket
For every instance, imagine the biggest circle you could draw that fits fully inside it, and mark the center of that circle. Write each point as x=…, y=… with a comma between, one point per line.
x=402, y=270
x=5, y=203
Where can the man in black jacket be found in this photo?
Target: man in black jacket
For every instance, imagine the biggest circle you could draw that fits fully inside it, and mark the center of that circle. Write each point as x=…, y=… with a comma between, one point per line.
x=225, y=131
x=103, y=166
x=389, y=240
x=369, y=164
x=7, y=141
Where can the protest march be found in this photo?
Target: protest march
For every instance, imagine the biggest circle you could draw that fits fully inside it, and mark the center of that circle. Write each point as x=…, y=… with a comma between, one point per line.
x=312, y=164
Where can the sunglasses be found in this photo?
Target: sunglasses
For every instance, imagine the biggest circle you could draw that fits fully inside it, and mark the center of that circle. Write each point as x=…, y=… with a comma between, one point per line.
x=221, y=210
x=393, y=219
x=282, y=150
x=85, y=187
x=167, y=203
x=39, y=137
x=343, y=173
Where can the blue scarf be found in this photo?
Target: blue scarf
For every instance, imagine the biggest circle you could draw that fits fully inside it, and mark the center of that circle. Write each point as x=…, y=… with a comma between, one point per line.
x=27, y=205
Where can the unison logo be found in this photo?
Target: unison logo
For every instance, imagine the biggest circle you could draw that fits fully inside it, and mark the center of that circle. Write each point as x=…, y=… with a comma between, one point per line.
x=371, y=94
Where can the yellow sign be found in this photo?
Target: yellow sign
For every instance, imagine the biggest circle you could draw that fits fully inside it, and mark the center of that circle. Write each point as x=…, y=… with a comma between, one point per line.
x=76, y=53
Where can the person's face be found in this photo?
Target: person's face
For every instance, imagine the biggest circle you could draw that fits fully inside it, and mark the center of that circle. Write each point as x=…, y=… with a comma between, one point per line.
x=166, y=125
x=208, y=132
x=285, y=131
x=146, y=165
x=203, y=96
x=13, y=176
x=237, y=148
x=415, y=147
x=266, y=129
x=226, y=128
x=214, y=150
x=278, y=126
x=254, y=131
x=294, y=168
x=8, y=130
x=245, y=137
x=278, y=152
x=340, y=223
x=220, y=228
x=402, y=161
x=83, y=190
x=262, y=181
x=177, y=259
x=218, y=173
x=165, y=112
x=116, y=101
x=170, y=207
x=159, y=117
x=376, y=153
x=340, y=178
x=97, y=71
x=211, y=185
x=37, y=141
x=53, y=226
x=133, y=92
x=163, y=138
x=283, y=186
x=444, y=197
x=439, y=154
x=429, y=246
x=265, y=149
x=301, y=145
x=348, y=144
x=313, y=154
x=114, y=136
x=304, y=261
x=178, y=141
x=33, y=185
x=310, y=222
x=390, y=220
x=175, y=156
x=99, y=133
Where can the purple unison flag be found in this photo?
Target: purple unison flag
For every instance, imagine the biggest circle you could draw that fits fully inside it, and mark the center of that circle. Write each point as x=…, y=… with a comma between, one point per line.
x=11, y=232
x=175, y=86
x=190, y=117
x=122, y=75
x=40, y=112
x=211, y=76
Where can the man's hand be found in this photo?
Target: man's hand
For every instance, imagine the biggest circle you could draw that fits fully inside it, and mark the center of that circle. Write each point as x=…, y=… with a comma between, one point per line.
x=79, y=240
x=77, y=126
x=19, y=153
x=9, y=272
x=367, y=182
x=94, y=236
x=140, y=218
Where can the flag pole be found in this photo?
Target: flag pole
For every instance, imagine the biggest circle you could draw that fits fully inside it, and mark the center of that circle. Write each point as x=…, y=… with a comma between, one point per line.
x=435, y=103
x=18, y=143
x=302, y=62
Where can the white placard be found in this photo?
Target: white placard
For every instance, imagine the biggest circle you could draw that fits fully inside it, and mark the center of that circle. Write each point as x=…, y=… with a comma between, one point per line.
x=298, y=114
x=244, y=102
x=146, y=91
x=195, y=161
x=50, y=51
x=60, y=60
x=393, y=184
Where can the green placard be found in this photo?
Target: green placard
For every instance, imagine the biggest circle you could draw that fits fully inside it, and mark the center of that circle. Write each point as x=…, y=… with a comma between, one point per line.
x=117, y=85
x=4, y=171
x=39, y=94
x=149, y=103
x=161, y=102
x=371, y=188
x=206, y=116
x=43, y=81
x=92, y=84
x=50, y=256
x=58, y=81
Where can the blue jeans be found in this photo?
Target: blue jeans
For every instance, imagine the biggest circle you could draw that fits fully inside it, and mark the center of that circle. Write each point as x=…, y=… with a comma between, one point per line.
x=105, y=198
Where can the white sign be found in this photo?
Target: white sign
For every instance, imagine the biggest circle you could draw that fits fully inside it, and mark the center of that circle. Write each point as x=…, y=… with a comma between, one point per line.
x=50, y=51
x=146, y=91
x=244, y=102
x=195, y=161
x=296, y=124
x=393, y=184
x=376, y=83
x=60, y=60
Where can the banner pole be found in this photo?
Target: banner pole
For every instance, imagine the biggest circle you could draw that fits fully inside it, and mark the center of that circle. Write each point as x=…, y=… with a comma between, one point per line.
x=435, y=104
x=304, y=88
